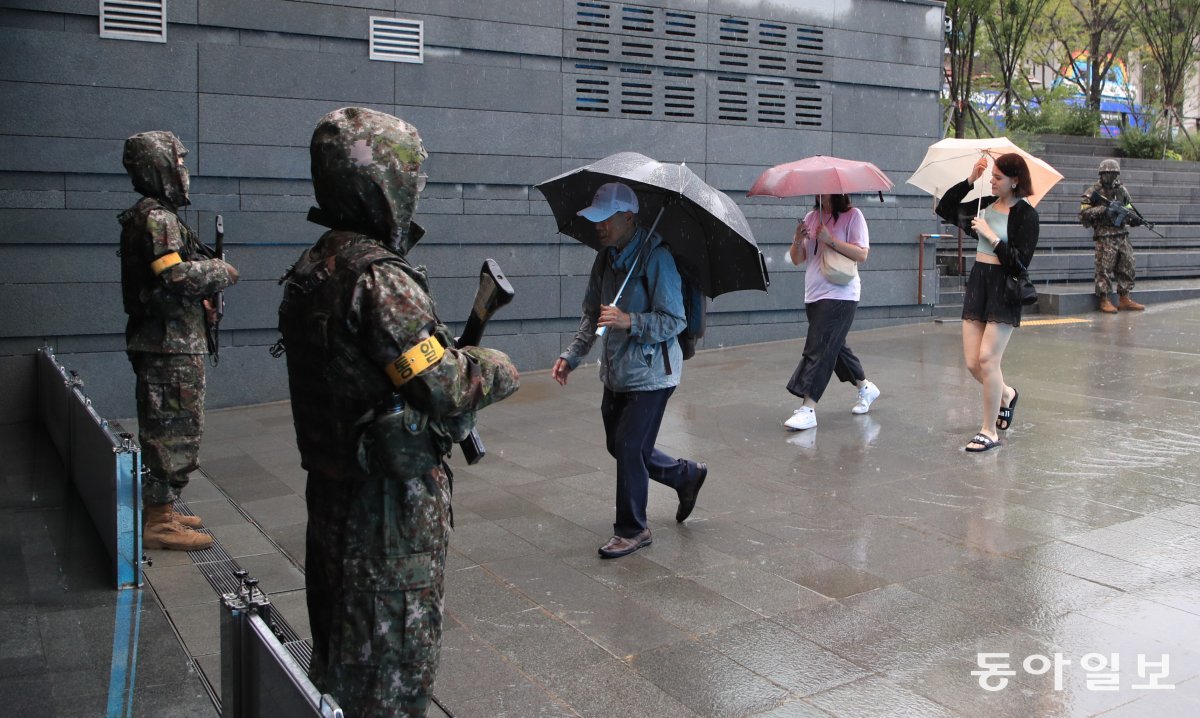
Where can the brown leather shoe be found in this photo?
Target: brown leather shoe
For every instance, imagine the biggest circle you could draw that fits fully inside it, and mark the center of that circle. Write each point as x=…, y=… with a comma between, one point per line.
x=618, y=546
x=1107, y=306
x=1128, y=304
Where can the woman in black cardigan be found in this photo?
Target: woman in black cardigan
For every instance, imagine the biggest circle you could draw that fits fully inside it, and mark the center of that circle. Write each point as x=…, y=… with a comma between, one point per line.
x=1006, y=227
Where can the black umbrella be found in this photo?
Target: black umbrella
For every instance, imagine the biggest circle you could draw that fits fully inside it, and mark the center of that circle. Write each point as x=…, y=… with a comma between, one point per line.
x=705, y=230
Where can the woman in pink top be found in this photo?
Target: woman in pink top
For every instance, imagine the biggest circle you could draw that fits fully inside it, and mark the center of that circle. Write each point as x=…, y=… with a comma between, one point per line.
x=833, y=226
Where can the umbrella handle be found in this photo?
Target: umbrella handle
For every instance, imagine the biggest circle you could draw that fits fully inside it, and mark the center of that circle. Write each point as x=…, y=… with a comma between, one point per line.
x=601, y=331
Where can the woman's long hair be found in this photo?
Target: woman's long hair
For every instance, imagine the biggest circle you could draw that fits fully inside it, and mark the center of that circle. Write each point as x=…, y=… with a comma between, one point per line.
x=1012, y=166
x=838, y=204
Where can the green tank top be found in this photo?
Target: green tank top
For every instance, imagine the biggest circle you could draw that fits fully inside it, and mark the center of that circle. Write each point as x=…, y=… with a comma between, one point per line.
x=999, y=224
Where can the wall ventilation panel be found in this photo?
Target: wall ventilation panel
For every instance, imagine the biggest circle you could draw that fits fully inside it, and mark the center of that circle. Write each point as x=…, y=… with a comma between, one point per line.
x=142, y=20
x=397, y=40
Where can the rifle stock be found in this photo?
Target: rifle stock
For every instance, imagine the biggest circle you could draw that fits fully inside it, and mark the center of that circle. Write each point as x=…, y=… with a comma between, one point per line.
x=494, y=292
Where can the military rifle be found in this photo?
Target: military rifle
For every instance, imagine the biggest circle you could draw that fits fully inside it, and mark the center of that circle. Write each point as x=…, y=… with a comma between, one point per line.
x=1120, y=215
x=212, y=319
x=494, y=292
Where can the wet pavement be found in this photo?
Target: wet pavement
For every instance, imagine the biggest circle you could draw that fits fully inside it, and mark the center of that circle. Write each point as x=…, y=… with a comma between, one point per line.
x=855, y=569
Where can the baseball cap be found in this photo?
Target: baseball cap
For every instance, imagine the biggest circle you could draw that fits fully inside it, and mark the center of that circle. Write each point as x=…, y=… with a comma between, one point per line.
x=610, y=198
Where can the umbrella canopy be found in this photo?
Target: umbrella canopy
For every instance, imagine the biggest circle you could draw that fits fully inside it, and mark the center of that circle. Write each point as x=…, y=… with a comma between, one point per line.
x=705, y=230
x=820, y=175
x=949, y=162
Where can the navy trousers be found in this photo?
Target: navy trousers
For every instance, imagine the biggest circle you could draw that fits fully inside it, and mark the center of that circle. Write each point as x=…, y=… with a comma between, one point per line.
x=631, y=422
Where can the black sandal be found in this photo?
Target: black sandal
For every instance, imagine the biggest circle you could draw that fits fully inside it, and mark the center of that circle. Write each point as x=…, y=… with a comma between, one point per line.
x=1005, y=418
x=985, y=444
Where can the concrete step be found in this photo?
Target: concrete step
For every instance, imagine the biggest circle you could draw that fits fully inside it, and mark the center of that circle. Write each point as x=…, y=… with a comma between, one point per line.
x=1080, y=298
x=1079, y=265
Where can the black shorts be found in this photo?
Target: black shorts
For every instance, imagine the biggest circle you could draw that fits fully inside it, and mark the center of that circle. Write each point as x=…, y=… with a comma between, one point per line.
x=983, y=300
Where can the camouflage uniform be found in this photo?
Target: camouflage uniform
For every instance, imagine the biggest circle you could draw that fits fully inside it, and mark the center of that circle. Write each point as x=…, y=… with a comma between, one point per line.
x=164, y=279
x=379, y=396
x=1114, y=253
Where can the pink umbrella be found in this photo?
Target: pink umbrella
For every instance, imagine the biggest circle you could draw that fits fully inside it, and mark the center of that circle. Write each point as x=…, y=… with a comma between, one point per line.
x=820, y=175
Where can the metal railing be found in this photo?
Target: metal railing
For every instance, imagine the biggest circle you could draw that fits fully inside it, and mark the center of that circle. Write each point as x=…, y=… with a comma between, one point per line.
x=921, y=241
x=101, y=459
x=260, y=677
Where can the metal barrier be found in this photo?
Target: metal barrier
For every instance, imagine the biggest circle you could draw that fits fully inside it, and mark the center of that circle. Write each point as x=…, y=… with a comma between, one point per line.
x=921, y=240
x=102, y=460
x=259, y=676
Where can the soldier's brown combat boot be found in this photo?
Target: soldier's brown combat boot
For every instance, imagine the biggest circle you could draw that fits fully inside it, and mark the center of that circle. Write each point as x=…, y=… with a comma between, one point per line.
x=1107, y=306
x=162, y=530
x=192, y=522
x=1128, y=304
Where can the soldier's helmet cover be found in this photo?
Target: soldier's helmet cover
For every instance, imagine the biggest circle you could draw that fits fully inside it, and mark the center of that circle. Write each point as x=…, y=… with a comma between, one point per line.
x=1110, y=165
x=152, y=160
x=365, y=167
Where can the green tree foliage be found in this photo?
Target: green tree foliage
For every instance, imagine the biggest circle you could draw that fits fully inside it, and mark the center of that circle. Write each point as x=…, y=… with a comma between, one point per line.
x=1098, y=27
x=964, y=17
x=1170, y=29
x=1008, y=28
x=1055, y=115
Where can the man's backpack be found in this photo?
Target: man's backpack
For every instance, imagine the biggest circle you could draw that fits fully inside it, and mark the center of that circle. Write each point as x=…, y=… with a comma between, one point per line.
x=695, y=311
x=695, y=314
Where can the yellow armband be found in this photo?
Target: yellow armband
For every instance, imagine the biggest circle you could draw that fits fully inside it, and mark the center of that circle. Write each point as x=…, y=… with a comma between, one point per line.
x=415, y=361
x=164, y=263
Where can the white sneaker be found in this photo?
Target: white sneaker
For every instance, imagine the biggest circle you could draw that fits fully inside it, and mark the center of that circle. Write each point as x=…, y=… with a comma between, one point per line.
x=867, y=393
x=802, y=418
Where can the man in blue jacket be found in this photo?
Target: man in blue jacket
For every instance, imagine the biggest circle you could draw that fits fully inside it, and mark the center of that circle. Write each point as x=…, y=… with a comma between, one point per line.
x=640, y=363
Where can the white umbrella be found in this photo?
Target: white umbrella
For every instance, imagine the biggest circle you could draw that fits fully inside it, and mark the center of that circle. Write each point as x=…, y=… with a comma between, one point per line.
x=949, y=162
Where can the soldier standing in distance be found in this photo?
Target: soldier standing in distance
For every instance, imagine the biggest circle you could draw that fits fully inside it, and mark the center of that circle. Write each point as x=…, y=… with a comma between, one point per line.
x=165, y=280
x=1100, y=210
x=379, y=397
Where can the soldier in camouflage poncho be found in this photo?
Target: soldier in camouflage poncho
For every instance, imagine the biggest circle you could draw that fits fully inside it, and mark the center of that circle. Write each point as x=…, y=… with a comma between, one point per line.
x=1100, y=209
x=379, y=396
x=165, y=281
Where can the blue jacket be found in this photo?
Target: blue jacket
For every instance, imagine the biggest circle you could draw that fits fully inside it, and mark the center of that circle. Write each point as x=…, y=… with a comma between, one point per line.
x=633, y=360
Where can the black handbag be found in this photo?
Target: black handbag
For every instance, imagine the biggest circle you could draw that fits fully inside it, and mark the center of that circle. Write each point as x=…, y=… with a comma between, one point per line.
x=1018, y=288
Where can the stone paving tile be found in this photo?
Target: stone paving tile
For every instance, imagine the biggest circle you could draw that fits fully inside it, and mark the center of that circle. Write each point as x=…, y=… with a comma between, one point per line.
x=1093, y=565
x=485, y=542
x=619, y=624
x=274, y=571
x=706, y=681
x=1183, y=702
x=688, y=605
x=553, y=534
x=760, y=591
x=817, y=573
x=794, y=708
x=874, y=696
x=784, y=657
x=540, y=644
x=611, y=688
x=277, y=511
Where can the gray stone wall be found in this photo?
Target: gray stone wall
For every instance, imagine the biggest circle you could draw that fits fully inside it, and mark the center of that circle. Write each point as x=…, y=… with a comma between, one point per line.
x=510, y=93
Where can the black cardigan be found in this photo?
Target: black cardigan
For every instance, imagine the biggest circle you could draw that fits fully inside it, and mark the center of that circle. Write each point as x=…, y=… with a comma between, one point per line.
x=1023, y=224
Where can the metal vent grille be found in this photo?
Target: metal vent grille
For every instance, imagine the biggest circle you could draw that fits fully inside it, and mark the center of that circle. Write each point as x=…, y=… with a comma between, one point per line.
x=769, y=102
x=397, y=40
x=596, y=15
x=644, y=51
x=142, y=20
x=769, y=35
x=636, y=92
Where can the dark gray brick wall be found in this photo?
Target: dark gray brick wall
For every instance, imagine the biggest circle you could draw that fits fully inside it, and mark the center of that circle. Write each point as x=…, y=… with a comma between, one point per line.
x=498, y=104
